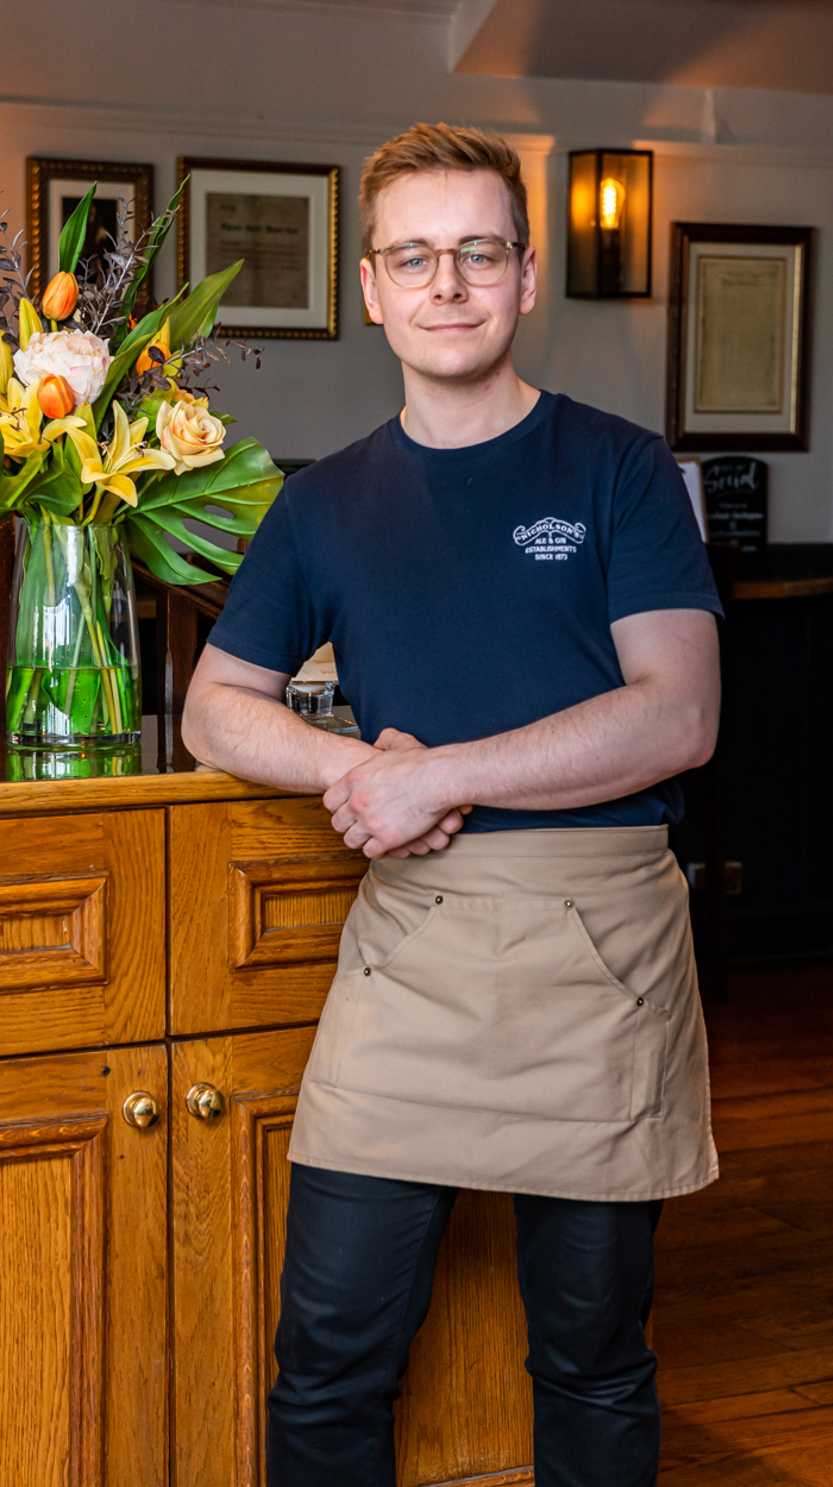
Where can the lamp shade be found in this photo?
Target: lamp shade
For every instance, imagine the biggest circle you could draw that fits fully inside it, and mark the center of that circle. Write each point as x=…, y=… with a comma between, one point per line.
x=610, y=212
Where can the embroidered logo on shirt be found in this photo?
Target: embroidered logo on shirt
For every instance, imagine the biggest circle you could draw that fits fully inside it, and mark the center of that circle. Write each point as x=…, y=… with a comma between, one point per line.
x=551, y=540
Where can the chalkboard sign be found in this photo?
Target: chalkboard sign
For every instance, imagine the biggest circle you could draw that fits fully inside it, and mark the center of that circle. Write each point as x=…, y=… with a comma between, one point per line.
x=735, y=488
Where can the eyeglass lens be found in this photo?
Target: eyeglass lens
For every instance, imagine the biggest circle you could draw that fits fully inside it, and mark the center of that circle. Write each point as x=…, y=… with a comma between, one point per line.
x=483, y=262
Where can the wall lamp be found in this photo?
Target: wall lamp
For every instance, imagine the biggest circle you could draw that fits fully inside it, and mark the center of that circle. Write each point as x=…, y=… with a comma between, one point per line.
x=609, y=224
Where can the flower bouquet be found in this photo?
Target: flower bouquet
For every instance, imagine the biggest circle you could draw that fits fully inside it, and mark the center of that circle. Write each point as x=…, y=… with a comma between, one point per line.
x=108, y=447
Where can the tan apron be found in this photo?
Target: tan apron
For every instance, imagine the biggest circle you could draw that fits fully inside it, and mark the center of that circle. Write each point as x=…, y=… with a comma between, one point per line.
x=517, y=1012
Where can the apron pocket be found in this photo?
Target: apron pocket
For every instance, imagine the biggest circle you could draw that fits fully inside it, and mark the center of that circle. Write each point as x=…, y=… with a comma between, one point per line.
x=377, y=928
x=651, y=1034
x=501, y=1004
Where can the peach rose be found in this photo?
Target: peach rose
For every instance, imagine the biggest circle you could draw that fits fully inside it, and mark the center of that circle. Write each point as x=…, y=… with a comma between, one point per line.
x=190, y=433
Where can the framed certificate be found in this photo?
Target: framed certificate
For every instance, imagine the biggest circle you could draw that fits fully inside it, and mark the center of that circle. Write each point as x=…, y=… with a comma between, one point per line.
x=737, y=337
x=123, y=204
x=283, y=220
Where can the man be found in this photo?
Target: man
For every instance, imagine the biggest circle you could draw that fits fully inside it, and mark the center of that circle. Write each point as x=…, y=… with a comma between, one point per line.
x=522, y=614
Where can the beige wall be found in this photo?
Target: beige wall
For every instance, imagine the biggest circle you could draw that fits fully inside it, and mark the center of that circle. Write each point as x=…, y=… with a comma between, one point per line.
x=252, y=81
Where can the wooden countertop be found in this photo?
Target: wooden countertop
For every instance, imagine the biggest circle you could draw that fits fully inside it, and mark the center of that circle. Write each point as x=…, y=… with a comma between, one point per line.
x=780, y=588
x=34, y=782
x=18, y=797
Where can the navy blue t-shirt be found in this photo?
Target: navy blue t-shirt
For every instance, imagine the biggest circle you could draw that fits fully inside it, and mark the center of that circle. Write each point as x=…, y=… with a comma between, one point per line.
x=470, y=591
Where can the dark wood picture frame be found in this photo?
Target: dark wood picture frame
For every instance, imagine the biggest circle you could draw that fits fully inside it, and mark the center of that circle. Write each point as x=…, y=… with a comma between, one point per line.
x=732, y=429
x=43, y=171
x=327, y=289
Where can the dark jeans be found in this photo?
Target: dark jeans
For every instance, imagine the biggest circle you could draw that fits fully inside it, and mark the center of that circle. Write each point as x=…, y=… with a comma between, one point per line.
x=356, y=1286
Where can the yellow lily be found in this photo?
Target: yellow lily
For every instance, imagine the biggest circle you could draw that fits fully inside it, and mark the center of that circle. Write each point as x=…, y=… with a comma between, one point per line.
x=28, y=322
x=6, y=365
x=123, y=457
x=21, y=422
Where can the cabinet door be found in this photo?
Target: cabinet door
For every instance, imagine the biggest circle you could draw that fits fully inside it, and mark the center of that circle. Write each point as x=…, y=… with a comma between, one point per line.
x=259, y=892
x=466, y=1405
x=83, y=1271
x=82, y=930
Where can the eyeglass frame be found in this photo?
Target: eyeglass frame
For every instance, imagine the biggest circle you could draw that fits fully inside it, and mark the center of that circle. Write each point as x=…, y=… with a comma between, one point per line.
x=506, y=243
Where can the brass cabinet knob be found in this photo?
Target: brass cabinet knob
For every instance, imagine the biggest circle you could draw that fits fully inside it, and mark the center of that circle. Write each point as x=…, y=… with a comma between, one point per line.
x=204, y=1101
x=140, y=1109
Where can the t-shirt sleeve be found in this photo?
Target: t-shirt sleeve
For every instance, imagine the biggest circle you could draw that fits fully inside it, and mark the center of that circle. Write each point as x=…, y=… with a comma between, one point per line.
x=658, y=559
x=269, y=618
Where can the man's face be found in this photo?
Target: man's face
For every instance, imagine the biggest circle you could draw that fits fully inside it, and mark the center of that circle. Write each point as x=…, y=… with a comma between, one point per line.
x=449, y=330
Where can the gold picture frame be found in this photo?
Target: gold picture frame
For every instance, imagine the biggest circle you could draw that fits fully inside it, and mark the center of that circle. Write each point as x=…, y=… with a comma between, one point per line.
x=738, y=337
x=283, y=219
x=54, y=187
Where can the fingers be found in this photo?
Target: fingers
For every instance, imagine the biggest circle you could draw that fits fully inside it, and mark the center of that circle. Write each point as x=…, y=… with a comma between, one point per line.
x=397, y=738
x=452, y=822
x=431, y=841
x=356, y=836
x=438, y=838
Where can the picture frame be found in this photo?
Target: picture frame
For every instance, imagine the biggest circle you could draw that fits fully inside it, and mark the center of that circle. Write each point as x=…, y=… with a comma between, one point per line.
x=692, y=474
x=54, y=188
x=284, y=220
x=738, y=337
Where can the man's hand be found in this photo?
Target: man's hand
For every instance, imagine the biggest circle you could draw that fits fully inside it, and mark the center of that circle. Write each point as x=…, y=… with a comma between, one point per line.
x=397, y=738
x=386, y=805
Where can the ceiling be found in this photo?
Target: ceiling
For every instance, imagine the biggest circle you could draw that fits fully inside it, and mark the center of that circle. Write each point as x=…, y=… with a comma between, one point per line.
x=418, y=9
x=697, y=43
x=785, y=44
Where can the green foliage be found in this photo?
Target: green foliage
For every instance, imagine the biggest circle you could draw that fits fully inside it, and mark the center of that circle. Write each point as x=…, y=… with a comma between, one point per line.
x=196, y=315
x=241, y=487
x=14, y=487
x=157, y=234
x=74, y=232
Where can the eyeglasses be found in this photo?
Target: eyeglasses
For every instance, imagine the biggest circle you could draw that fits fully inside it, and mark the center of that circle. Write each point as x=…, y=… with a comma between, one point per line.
x=480, y=261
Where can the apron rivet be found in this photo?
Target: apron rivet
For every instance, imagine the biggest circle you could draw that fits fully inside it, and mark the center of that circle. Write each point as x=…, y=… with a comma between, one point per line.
x=438, y=899
x=568, y=903
x=640, y=1001
x=367, y=970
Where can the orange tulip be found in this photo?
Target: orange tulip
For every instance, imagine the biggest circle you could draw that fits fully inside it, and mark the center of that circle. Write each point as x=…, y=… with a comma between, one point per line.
x=55, y=396
x=60, y=297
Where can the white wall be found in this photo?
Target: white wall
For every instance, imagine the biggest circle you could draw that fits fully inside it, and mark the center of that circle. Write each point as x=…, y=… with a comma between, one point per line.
x=182, y=78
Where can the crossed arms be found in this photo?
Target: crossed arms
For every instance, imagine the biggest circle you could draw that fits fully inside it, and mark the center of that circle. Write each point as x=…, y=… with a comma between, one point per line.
x=395, y=796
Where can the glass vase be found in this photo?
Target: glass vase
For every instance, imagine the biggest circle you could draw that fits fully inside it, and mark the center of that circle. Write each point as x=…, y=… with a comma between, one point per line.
x=72, y=676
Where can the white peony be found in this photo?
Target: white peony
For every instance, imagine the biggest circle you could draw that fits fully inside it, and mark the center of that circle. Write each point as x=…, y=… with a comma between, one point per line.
x=77, y=355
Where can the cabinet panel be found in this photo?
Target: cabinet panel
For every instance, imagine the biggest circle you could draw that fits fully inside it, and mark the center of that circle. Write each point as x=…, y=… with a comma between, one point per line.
x=466, y=1403
x=83, y=1332
x=82, y=930
x=259, y=892
x=228, y=1238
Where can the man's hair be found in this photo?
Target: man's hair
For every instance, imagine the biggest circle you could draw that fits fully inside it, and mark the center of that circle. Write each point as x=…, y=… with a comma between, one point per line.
x=441, y=147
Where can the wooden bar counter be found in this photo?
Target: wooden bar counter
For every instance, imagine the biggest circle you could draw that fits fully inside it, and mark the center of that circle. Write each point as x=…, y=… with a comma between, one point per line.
x=167, y=938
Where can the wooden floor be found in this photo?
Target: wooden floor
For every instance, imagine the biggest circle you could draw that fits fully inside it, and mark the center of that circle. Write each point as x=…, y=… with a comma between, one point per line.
x=743, y=1319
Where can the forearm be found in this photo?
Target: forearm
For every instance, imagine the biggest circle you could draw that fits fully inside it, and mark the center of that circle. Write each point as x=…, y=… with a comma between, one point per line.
x=255, y=737
x=609, y=746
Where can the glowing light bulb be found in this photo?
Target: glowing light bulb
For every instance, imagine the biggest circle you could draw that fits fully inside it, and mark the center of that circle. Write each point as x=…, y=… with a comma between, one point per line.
x=611, y=202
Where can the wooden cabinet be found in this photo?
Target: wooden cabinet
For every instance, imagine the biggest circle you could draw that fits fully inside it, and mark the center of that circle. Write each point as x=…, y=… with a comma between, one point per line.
x=166, y=945
x=82, y=929
x=83, y=1270
x=259, y=892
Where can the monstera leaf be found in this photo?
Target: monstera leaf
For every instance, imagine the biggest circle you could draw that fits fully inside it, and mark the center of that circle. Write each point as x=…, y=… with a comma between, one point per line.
x=231, y=495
